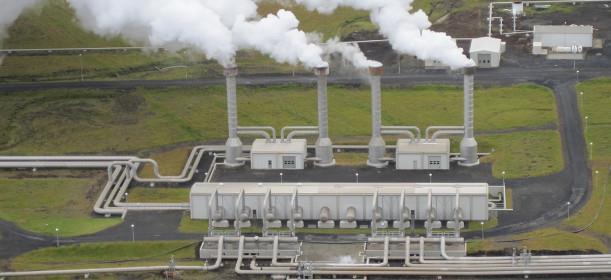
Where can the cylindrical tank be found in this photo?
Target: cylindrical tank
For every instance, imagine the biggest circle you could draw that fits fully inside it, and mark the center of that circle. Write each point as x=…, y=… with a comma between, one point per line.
x=298, y=214
x=245, y=214
x=218, y=214
x=351, y=214
x=406, y=214
x=325, y=214
x=378, y=214
x=270, y=214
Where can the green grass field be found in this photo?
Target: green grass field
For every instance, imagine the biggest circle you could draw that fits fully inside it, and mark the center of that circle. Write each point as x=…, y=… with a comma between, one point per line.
x=158, y=194
x=43, y=204
x=543, y=239
x=74, y=121
x=595, y=103
x=109, y=254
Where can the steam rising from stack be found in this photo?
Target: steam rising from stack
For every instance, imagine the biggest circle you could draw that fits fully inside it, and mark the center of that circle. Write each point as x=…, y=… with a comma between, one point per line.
x=10, y=11
x=217, y=28
x=407, y=32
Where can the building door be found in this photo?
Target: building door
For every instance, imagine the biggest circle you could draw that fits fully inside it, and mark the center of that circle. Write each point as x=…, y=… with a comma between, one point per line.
x=289, y=162
x=434, y=162
x=484, y=60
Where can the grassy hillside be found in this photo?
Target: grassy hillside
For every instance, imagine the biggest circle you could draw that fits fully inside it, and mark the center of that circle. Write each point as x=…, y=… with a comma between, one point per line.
x=109, y=121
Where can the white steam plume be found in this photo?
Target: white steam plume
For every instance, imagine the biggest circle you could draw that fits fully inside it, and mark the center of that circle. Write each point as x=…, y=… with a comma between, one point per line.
x=351, y=53
x=407, y=32
x=161, y=23
x=217, y=28
x=277, y=36
x=10, y=11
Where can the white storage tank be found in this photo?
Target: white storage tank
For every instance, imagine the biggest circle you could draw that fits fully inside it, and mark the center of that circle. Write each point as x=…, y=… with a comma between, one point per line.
x=423, y=154
x=278, y=154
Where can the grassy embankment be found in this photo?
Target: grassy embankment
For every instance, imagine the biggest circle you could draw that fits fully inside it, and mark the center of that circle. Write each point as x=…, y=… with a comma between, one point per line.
x=595, y=217
x=41, y=204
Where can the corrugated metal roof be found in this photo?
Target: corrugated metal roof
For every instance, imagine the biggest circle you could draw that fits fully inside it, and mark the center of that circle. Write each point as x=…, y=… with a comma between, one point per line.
x=485, y=44
x=296, y=146
x=440, y=146
x=564, y=29
x=342, y=188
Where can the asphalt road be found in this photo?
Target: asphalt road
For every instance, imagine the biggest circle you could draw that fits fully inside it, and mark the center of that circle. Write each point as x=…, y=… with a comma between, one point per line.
x=541, y=201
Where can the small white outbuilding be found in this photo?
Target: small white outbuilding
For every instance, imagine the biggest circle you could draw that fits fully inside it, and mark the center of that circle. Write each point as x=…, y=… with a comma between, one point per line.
x=486, y=51
x=278, y=154
x=422, y=154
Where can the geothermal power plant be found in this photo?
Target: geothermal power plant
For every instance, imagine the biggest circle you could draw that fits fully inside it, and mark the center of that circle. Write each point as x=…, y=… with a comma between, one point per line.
x=288, y=152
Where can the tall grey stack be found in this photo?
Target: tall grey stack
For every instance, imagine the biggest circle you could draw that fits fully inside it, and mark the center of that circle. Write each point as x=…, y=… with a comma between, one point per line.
x=233, y=146
x=377, y=146
x=324, y=147
x=468, y=145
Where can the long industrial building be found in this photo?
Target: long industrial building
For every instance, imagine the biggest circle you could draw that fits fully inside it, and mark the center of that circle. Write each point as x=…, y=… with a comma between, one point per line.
x=331, y=205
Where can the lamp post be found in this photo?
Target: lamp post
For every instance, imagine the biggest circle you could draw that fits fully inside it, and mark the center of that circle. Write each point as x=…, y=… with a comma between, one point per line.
x=591, y=152
x=126, y=196
x=357, y=177
x=430, y=178
x=503, y=177
x=581, y=101
x=482, y=224
x=595, y=177
x=577, y=75
x=57, y=237
x=281, y=179
x=586, y=118
x=81, y=61
x=133, y=233
x=568, y=209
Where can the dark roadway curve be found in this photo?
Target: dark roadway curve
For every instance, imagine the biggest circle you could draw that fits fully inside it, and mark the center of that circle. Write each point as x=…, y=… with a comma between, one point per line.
x=561, y=80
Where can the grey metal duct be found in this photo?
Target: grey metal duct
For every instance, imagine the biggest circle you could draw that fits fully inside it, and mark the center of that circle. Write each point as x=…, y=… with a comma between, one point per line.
x=324, y=146
x=468, y=145
x=233, y=146
x=377, y=146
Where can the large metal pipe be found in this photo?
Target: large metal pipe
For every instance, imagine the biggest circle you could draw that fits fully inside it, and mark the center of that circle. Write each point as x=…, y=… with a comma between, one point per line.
x=468, y=145
x=324, y=146
x=233, y=146
x=377, y=146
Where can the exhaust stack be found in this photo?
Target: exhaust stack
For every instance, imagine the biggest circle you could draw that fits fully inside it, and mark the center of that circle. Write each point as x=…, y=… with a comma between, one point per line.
x=468, y=145
x=233, y=146
x=377, y=146
x=324, y=146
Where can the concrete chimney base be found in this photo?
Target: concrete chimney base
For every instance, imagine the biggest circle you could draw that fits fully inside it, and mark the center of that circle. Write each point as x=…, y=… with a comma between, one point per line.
x=468, y=151
x=324, y=152
x=233, y=151
x=377, y=150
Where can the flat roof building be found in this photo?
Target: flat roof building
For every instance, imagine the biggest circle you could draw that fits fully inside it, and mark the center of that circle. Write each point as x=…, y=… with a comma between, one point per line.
x=486, y=51
x=562, y=41
x=277, y=154
x=422, y=154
